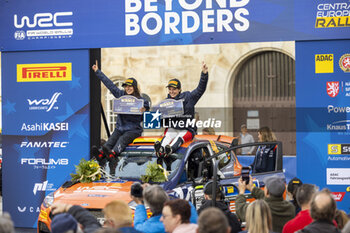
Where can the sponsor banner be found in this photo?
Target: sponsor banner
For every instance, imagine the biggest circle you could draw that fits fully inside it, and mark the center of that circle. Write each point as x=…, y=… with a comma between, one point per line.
x=344, y=63
x=324, y=63
x=338, y=196
x=67, y=24
x=45, y=125
x=44, y=72
x=153, y=120
x=323, y=110
x=339, y=149
x=338, y=176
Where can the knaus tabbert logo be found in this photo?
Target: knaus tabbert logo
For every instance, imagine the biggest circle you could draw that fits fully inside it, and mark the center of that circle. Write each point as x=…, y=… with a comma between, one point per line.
x=46, y=26
x=342, y=125
x=44, y=104
x=45, y=186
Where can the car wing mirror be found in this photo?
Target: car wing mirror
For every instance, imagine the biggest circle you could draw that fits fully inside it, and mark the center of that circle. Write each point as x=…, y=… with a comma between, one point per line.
x=234, y=142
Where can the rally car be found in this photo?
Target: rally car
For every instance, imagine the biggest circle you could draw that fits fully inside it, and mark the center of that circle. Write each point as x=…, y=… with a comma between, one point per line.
x=204, y=158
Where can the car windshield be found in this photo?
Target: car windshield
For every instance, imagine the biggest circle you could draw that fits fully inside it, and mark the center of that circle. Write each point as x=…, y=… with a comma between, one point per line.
x=133, y=163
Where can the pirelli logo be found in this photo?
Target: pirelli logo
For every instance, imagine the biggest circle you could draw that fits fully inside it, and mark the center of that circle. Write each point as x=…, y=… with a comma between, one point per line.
x=44, y=72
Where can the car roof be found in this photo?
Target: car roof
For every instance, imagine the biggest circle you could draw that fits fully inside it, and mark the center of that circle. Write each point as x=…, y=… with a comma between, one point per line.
x=150, y=140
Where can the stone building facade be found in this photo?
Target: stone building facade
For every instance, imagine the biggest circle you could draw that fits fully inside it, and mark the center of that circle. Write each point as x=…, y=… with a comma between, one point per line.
x=154, y=66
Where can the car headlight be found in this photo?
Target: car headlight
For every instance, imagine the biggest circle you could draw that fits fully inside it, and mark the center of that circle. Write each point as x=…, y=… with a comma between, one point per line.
x=48, y=200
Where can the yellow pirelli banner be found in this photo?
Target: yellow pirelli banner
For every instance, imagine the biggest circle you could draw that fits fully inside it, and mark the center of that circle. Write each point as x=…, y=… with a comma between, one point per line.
x=44, y=72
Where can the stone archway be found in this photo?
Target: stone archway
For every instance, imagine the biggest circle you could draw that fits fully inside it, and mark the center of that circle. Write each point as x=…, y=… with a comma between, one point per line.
x=264, y=95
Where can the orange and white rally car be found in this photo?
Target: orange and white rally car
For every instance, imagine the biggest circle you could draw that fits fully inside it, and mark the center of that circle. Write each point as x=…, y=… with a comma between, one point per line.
x=193, y=164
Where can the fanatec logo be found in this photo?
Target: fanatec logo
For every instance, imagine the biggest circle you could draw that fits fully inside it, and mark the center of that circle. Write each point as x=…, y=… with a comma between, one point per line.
x=45, y=186
x=44, y=104
x=44, y=144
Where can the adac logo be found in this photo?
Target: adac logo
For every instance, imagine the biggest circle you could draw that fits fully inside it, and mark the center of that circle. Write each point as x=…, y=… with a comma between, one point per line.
x=151, y=120
x=344, y=63
x=332, y=89
x=44, y=72
x=324, y=63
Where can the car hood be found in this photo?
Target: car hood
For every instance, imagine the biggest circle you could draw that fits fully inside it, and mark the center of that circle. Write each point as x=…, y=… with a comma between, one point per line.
x=94, y=195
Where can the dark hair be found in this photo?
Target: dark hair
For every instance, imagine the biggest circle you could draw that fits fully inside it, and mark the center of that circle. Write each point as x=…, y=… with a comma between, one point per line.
x=212, y=220
x=181, y=207
x=292, y=187
x=208, y=190
x=323, y=210
x=136, y=92
x=305, y=193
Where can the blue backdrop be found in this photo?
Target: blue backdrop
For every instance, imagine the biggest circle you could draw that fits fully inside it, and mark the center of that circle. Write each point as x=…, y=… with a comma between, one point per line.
x=38, y=156
x=63, y=24
x=323, y=110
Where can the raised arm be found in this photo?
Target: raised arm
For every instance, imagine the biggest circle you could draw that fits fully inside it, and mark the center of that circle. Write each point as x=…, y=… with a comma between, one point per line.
x=107, y=82
x=197, y=93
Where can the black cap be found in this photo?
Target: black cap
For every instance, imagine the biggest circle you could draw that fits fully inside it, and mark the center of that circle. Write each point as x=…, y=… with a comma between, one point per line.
x=293, y=184
x=136, y=189
x=208, y=188
x=130, y=82
x=174, y=83
x=275, y=185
